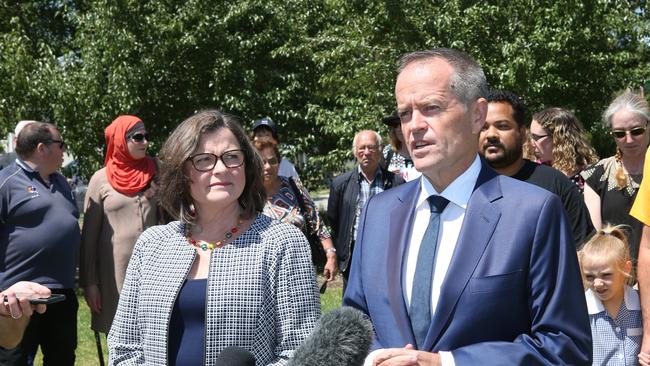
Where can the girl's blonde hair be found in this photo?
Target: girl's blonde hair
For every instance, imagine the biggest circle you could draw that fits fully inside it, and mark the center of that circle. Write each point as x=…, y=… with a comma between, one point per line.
x=608, y=245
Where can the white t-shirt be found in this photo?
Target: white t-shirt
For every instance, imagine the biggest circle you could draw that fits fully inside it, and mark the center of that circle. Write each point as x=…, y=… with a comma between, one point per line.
x=287, y=169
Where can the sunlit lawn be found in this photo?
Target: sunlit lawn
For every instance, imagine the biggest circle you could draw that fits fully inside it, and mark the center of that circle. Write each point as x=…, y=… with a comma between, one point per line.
x=87, y=350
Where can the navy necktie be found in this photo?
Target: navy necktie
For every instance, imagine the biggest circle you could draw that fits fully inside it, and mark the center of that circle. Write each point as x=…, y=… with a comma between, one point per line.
x=420, y=308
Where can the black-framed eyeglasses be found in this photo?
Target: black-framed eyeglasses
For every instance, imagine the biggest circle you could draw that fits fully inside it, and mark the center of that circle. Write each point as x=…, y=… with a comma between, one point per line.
x=139, y=137
x=204, y=162
x=637, y=131
x=536, y=137
x=60, y=142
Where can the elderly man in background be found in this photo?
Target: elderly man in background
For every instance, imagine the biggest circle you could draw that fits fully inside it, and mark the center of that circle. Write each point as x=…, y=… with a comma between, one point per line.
x=350, y=191
x=39, y=238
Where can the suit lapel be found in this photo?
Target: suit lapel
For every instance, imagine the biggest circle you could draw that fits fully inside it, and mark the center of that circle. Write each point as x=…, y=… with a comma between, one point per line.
x=479, y=223
x=402, y=212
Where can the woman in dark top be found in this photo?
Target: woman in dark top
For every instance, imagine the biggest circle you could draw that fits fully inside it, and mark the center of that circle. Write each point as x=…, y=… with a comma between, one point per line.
x=612, y=183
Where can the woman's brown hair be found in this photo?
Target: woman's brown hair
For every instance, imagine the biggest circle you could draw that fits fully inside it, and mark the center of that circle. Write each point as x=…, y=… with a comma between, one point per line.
x=268, y=143
x=174, y=190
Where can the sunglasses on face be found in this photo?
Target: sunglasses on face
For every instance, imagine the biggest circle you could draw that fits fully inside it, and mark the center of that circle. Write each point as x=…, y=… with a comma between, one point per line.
x=619, y=134
x=60, y=142
x=139, y=137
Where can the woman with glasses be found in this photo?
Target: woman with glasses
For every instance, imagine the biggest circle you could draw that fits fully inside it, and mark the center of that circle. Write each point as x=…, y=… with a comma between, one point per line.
x=612, y=183
x=120, y=204
x=559, y=140
x=223, y=274
x=289, y=201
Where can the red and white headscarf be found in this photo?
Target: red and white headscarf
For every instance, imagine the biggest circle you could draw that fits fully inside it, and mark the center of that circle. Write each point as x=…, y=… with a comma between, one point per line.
x=126, y=174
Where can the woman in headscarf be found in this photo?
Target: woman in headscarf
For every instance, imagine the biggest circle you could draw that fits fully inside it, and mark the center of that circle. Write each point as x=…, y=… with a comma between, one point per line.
x=120, y=204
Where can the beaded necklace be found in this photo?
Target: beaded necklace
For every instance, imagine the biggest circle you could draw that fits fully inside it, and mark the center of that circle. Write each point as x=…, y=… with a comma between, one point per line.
x=205, y=245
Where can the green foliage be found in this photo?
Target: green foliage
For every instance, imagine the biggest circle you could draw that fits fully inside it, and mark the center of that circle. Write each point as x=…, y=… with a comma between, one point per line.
x=322, y=69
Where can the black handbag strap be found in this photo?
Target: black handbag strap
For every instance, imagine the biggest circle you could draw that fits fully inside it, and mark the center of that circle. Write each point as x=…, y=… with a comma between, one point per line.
x=301, y=201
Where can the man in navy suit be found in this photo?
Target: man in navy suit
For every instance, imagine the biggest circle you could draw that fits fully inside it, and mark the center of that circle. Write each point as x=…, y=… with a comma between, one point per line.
x=504, y=285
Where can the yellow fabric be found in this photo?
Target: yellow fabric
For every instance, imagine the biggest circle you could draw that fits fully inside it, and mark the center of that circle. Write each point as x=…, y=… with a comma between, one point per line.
x=641, y=208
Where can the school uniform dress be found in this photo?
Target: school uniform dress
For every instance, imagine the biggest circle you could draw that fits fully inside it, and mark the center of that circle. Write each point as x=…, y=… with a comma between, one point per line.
x=616, y=342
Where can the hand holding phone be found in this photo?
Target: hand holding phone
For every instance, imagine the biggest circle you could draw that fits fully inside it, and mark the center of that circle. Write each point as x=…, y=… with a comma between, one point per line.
x=15, y=302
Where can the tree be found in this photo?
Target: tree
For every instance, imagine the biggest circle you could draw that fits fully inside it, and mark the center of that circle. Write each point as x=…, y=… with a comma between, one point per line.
x=322, y=69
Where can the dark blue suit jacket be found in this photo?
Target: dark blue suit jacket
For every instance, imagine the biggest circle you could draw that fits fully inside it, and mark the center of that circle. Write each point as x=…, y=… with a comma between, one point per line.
x=512, y=294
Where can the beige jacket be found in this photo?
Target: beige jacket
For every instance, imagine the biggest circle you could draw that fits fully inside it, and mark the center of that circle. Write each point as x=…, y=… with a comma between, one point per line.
x=112, y=223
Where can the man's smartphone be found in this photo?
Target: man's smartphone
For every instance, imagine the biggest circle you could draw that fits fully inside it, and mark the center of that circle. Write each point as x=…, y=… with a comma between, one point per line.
x=54, y=298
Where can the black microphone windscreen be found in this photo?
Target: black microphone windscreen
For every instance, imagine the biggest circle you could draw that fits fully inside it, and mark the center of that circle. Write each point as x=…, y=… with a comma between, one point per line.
x=235, y=356
x=342, y=337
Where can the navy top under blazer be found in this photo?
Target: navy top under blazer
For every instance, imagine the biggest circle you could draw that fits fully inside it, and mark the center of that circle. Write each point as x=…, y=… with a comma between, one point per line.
x=187, y=324
x=261, y=295
x=513, y=292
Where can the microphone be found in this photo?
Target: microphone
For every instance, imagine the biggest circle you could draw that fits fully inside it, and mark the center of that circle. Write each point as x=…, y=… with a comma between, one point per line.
x=235, y=356
x=342, y=337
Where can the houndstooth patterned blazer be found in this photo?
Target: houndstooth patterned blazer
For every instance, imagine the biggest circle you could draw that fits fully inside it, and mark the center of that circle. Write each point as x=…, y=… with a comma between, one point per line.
x=261, y=295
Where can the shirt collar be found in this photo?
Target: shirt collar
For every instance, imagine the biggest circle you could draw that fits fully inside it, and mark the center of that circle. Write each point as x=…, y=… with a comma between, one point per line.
x=458, y=192
x=595, y=306
x=24, y=166
x=377, y=173
x=30, y=172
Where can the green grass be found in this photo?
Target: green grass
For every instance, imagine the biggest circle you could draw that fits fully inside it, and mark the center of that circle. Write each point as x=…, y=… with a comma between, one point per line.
x=86, y=347
x=87, y=350
x=331, y=299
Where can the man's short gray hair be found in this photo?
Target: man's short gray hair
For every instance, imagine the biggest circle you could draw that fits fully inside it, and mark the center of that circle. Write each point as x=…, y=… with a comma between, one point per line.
x=354, y=141
x=468, y=82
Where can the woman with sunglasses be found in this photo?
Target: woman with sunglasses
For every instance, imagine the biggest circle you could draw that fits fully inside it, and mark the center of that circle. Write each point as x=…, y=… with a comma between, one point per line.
x=120, y=204
x=396, y=155
x=612, y=183
x=289, y=201
x=558, y=139
x=223, y=274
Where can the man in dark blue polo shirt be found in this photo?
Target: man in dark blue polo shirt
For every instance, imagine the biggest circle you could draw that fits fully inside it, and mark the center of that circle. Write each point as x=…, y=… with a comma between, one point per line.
x=39, y=242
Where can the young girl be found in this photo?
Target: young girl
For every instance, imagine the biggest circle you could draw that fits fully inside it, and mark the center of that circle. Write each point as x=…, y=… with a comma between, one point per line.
x=614, y=307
